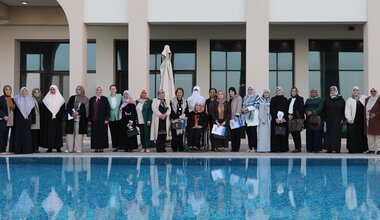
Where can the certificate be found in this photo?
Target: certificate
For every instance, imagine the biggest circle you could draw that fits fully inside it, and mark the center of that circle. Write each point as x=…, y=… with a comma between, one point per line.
x=235, y=124
x=218, y=130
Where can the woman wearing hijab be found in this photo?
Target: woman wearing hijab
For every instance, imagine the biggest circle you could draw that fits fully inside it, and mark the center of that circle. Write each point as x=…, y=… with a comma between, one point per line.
x=160, y=130
x=195, y=98
x=296, y=111
x=210, y=105
x=36, y=125
x=333, y=110
x=221, y=116
x=178, y=114
x=76, y=126
x=372, y=122
x=6, y=117
x=114, y=100
x=52, y=112
x=128, y=120
x=144, y=116
x=235, y=105
x=313, y=125
x=250, y=117
x=24, y=105
x=279, y=112
x=355, y=115
x=263, y=140
x=99, y=114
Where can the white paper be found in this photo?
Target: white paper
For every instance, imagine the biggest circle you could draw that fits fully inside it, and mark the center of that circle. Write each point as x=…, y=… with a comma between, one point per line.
x=235, y=124
x=69, y=117
x=280, y=115
x=218, y=130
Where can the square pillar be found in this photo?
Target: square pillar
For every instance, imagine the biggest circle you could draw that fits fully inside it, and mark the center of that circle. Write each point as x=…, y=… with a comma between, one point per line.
x=203, y=65
x=257, y=44
x=301, y=61
x=371, y=47
x=138, y=47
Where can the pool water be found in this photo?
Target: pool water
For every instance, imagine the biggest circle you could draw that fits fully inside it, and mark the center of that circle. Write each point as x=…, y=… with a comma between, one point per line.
x=160, y=188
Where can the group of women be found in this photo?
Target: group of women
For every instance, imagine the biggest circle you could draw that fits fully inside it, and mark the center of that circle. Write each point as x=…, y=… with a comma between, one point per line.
x=37, y=122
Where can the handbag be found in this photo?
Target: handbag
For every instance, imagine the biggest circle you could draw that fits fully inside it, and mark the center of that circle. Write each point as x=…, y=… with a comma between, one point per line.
x=314, y=120
x=280, y=130
x=295, y=125
x=132, y=132
x=176, y=125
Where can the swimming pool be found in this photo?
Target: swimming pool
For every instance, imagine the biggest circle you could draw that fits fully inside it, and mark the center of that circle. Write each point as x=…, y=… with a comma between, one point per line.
x=161, y=188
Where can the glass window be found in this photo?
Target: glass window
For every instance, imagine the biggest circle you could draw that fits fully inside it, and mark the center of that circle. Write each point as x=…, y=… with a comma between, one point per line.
x=281, y=65
x=336, y=62
x=121, y=64
x=91, y=56
x=62, y=57
x=228, y=65
x=33, y=61
x=33, y=80
x=183, y=62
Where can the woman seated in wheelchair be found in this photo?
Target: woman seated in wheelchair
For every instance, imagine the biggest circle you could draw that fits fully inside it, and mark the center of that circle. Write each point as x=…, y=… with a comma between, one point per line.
x=196, y=124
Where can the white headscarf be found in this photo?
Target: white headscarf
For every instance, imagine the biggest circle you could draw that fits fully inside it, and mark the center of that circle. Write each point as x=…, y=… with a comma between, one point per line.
x=195, y=98
x=24, y=104
x=336, y=94
x=281, y=90
x=54, y=102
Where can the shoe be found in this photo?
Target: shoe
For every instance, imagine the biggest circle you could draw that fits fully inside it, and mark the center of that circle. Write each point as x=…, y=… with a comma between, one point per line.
x=66, y=151
x=59, y=151
x=296, y=151
x=101, y=150
x=329, y=151
x=249, y=150
x=78, y=151
x=115, y=150
x=49, y=150
x=147, y=151
x=378, y=153
x=143, y=150
x=36, y=151
x=96, y=151
x=369, y=152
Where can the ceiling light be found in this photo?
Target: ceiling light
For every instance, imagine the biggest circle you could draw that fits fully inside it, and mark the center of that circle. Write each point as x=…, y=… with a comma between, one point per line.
x=24, y=3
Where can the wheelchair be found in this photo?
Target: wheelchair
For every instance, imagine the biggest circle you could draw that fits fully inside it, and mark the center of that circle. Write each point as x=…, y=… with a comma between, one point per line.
x=204, y=142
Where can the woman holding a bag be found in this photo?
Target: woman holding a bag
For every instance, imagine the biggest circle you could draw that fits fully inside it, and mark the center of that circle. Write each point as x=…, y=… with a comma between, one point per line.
x=313, y=124
x=128, y=123
x=279, y=125
x=296, y=118
x=177, y=116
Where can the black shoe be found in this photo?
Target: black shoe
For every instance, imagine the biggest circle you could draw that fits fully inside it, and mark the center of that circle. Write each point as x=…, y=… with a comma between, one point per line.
x=369, y=152
x=316, y=151
x=115, y=150
x=296, y=151
x=49, y=150
x=36, y=151
x=59, y=151
x=378, y=153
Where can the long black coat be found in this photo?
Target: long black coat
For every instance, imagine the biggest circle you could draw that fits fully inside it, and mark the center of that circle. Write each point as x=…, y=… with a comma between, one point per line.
x=3, y=112
x=279, y=143
x=128, y=113
x=298, y=107
x=51, y=129
x=82, y=119
x=333, y=112
x=99, y=113
x=22, y=141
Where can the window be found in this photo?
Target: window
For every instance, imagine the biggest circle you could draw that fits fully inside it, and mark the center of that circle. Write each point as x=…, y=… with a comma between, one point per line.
x=228, y=65
x=46, y=63
x=183, y=62
x=336, y=62
x=121, y=64
x=281, y=65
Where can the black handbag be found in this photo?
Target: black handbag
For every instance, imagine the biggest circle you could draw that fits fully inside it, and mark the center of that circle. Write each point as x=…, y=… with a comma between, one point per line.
x=315, y=120
x=295, y=125
x=280, y=130
x=176, y=125
x=132, y=132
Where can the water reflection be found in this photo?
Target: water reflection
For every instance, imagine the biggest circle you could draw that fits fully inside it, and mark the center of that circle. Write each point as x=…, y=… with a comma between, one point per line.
x=151, y=188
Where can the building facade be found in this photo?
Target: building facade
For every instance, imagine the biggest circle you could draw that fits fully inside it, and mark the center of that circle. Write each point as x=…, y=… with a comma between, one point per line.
x=215, y=43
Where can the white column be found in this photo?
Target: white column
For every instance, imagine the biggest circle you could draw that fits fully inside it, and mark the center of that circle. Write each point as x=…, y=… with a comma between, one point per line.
x=74, y=11
x=372, y=47
x=301, y=58
x=138, y=46
x=257, y=44
x=203, y=64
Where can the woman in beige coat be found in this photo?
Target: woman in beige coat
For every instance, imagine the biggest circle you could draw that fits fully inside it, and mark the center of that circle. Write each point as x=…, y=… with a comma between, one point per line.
x=160, y=129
